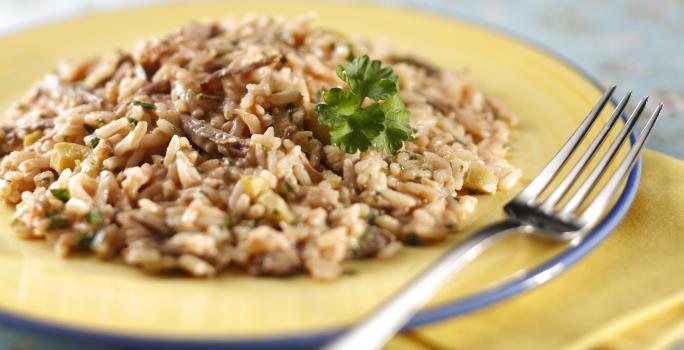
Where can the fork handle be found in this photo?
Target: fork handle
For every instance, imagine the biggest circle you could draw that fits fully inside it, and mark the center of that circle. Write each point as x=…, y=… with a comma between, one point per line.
x=376, y=329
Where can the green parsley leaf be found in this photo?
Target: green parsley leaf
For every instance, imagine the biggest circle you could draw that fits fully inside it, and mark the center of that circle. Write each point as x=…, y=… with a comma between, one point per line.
x=339, y=105
x=397, y=125
x=61, y=193
x=368, y=78
x=144, y=105
x=94, y=142
x=359, y=129
x=355, y=128
x=132, y=121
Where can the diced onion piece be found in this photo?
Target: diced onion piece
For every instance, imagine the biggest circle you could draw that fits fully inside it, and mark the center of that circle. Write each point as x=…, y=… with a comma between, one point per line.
x=276, y=208
x=32, y=137
x=253, y=185
x=480, y=179
x=65, y=154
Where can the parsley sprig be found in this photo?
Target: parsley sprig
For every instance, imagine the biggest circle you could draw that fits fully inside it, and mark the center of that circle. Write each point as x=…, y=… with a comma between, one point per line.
x=353, y=127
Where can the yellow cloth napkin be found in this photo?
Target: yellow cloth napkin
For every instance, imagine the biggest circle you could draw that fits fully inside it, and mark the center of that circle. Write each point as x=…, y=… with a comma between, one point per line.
x=627, y=294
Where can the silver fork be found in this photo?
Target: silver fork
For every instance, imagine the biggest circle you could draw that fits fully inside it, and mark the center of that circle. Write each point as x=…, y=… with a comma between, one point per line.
x=529, y=212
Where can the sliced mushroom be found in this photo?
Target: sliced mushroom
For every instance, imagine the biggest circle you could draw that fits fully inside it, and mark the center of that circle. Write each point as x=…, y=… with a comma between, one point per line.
x=315, y=175
x=212, y=84
x=213, y=140
x=282, y=123
x=152, y=223
x=441, y=106
x=157, y=87
x=14, y=134
x=370, y=244
x=408, y=59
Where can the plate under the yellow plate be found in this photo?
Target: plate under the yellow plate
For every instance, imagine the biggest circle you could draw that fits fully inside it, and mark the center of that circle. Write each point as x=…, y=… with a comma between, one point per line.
x=86, y=293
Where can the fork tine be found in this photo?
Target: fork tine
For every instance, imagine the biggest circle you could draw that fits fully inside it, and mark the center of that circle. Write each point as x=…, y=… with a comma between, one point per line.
x=549, y=172
x=586, y=187
x=578, y=168
x=595, y=209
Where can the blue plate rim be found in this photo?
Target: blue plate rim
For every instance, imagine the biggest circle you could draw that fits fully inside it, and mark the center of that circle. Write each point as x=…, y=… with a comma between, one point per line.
x=528, y=281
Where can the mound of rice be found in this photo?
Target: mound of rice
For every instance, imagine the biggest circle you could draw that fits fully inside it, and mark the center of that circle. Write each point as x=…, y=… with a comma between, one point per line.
x=200, y=151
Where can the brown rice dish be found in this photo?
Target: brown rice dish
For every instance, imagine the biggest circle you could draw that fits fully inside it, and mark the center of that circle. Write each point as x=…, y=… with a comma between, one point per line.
x=201, y=151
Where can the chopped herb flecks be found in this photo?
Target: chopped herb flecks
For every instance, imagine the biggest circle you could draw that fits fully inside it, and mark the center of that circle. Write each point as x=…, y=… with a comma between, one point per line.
x=412, y=239
x=144, y=105
x=227, y=222
x=58, y=220
x=132, y=121
x=94, y=142
x=372, y=216
x=85, y=240
x=93, y=217
x=61, y=193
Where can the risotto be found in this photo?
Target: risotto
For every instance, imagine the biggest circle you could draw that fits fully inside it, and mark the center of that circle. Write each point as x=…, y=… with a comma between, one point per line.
x=202, y=151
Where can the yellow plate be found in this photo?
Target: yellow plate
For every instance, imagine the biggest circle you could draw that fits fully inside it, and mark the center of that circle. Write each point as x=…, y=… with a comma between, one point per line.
x=83, y=296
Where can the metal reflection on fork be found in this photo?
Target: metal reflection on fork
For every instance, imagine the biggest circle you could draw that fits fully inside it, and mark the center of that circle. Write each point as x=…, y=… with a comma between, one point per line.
x=528, y=212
